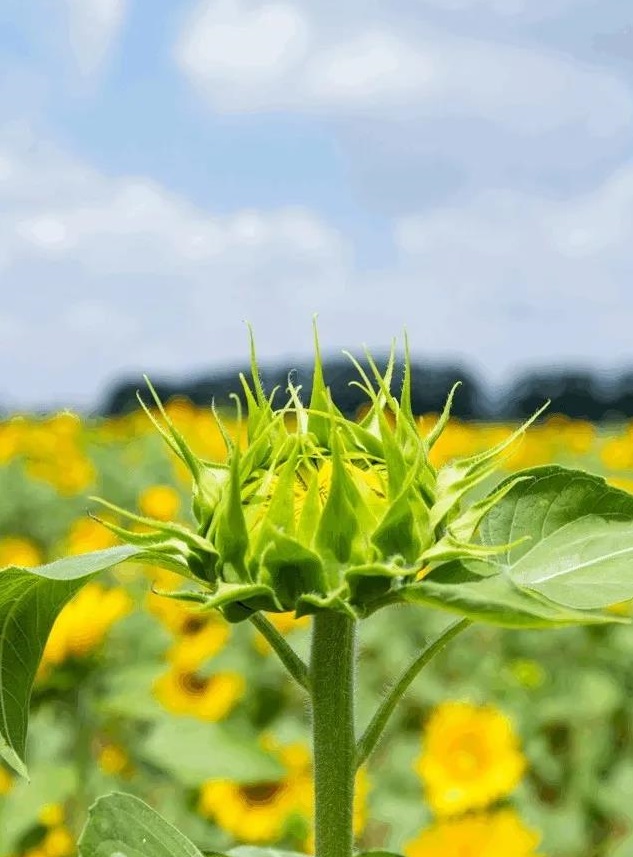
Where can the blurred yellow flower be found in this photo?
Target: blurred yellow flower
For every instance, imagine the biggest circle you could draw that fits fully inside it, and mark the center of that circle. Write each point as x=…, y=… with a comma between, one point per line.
x=58, y=842
x=580, y=436
x=159, y=501
x=176, y=616
x=471, y=757
x=205, y=697
x=259, y=812
x=77, y=474
x=52, y=815
x=285, y=623
x=616, y=454
x=10, y=436
x=15, y=550
x=199, y=635
x=83, y=623
x=623, y=482
x=6, y=781
x=498, y=834
x=87, y=535
x=113, y=759
x=192, y=650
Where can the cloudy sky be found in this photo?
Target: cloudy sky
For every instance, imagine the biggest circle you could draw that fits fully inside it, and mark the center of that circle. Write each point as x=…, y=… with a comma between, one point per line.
x=169, y=169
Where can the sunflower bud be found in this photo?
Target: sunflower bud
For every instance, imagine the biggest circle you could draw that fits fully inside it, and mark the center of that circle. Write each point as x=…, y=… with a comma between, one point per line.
x=320, y=512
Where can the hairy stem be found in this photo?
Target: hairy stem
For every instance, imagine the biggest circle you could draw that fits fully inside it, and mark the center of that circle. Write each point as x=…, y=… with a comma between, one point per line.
x=372, y=734
x=332, y=681
x=287, y=655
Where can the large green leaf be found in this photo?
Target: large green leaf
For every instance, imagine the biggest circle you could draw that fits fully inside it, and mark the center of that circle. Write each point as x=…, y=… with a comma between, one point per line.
x=578, y=537
x=120, y=825
x=492, y=598
x=30, y=600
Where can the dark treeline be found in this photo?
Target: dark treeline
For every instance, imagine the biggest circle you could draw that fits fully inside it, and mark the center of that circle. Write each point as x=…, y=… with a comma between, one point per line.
x=575, y=394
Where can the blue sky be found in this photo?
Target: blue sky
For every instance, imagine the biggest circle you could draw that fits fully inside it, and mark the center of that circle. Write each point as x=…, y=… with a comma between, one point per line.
x=169, y=169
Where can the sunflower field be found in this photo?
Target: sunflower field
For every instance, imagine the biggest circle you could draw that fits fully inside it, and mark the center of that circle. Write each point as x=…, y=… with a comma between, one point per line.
x=516, y=744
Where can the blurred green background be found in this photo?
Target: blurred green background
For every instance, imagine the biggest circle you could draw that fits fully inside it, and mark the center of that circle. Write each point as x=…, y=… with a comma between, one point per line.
x=138, y=694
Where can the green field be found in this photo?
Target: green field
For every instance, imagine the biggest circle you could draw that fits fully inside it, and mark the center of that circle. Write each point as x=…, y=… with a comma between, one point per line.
x=531, y=732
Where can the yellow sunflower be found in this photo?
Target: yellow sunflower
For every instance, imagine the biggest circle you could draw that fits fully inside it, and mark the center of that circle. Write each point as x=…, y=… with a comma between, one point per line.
x=86, y=535
x=6, y=781
x=159, y=501
x=285, y=623
x=471, y=757
x=113, y=760
x=498, y=834
x=15, y=550
x=190, y=651
x=259, y=812
x=52, y=815
x=83, y=623
x=181, y=618
x=59, y=842
x=205, y=697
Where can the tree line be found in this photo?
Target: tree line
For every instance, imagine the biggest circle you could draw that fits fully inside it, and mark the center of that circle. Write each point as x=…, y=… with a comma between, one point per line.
x=579, y=395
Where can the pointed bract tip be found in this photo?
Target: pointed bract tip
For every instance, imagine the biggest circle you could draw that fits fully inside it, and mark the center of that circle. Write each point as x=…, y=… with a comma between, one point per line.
x=238, y=407
x=257, y=383
x=315, y=338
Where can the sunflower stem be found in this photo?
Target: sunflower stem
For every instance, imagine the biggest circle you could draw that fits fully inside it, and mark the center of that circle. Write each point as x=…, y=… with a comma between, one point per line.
x=332, y=667
x=287, y=655
x=370, y=738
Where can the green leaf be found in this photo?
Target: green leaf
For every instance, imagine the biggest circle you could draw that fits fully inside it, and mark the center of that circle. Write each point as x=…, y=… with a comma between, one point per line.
x=437, y=430
x=338, y=527
x=493, y=599
x=370, y=581
x=457, y=478
x=280, y=511
x=293, y=569
x=237, y=601
x=30, y=601
x=319, y=422
x=121, y=825
x=231, y=535
x=175, y=745
x=578, y=531
x=397, y=533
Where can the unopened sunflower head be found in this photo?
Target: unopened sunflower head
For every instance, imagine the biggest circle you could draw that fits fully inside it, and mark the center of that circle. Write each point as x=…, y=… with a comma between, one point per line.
x=317, y=511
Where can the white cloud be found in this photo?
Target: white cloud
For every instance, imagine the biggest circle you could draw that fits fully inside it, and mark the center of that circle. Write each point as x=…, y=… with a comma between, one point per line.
x=549, y=278
x=371, y=69
x=508, y=227
x=104, y=274
x=420, y=103
x=531, y=8
x=103, y=277
x=94, y=26
x=259, y=57
x=226, y=43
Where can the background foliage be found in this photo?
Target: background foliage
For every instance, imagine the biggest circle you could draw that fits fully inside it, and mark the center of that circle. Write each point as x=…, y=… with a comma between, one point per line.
x=128, y=697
